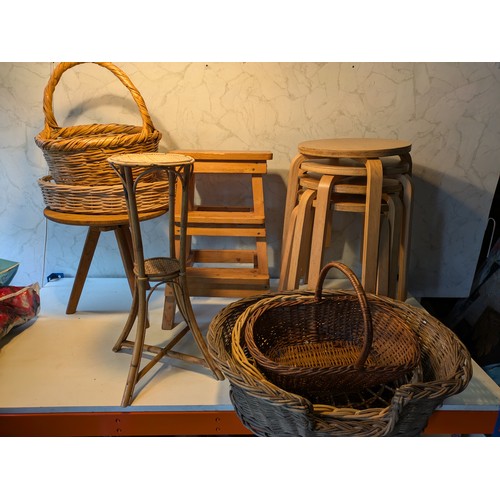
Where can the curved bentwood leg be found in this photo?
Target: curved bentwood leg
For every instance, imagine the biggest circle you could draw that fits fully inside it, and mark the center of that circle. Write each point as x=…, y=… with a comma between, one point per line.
x=374, y=173
x=291, y=192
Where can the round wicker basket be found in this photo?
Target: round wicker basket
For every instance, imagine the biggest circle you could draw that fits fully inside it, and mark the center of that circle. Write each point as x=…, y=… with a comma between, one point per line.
x=100, y=200
x=77, y=155
x=320, y=346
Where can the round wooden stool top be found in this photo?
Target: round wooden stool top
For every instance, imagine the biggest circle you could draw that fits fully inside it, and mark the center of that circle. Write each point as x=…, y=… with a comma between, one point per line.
x=97, y=220
x=150, y=160
x=354, y=148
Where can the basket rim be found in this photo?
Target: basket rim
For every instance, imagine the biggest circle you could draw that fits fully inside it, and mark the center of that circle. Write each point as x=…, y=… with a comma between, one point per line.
x=277, y=301
x=47, y=181
x=51, y=141
x=244, y=375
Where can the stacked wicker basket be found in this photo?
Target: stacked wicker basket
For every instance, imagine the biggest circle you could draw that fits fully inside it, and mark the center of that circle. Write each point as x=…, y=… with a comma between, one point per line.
x=301, y=372
x=81, y=180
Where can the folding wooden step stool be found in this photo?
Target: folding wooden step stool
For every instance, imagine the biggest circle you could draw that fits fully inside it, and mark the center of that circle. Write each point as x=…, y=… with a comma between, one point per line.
x=233, y=272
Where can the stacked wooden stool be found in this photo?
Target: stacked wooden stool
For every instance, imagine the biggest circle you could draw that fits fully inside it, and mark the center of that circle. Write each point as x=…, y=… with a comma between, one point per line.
x=369, y=176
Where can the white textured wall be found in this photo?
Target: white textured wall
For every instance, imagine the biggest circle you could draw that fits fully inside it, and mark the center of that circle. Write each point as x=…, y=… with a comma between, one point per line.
x=449, y=111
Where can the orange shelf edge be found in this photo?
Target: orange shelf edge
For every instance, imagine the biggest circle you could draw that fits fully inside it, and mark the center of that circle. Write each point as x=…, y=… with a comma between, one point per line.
x=195, y=423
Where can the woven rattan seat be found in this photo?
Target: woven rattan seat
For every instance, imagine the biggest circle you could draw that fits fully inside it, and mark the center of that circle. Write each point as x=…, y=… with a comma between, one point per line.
x=158, y=268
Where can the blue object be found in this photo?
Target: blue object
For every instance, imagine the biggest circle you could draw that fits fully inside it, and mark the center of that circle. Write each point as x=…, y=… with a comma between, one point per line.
x=54, y=276
x=8, y=270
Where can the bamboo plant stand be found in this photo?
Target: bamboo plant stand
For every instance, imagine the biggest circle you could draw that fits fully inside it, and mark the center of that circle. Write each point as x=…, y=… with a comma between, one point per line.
x=226, y=272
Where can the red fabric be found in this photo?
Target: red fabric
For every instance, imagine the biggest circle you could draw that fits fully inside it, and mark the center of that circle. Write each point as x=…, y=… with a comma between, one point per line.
x=18, y=305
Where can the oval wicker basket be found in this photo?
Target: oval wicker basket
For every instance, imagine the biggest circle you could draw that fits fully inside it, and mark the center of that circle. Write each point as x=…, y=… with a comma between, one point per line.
x=100, y=200
x=77, y=155
x=268, y=410
x=321, y=346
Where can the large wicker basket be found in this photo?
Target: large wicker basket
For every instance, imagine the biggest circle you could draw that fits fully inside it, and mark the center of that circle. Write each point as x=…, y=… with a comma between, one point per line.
x=322, y=346
x=269, y=410
x=77, y=155
x=98, y=200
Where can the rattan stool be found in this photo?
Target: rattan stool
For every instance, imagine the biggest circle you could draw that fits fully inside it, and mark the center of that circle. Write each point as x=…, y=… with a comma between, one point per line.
x=96, y=225
x=158, y=270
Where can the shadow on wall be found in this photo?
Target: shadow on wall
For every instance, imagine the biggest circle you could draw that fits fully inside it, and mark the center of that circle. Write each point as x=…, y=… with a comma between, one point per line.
x=228, y=190
x=274, y=196
x=442, y=257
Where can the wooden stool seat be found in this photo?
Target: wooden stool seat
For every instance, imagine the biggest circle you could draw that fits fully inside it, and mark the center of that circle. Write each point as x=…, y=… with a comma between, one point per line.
x=96, y=224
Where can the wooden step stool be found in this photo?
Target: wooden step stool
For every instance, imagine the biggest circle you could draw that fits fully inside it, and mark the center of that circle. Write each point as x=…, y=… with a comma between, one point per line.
x=226, y=272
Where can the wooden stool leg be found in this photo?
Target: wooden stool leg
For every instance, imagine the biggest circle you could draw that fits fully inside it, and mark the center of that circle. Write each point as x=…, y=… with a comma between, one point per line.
x=286, y=250
x=299, y=254
x=405, y=236
x=291, y=192
x=89, y=247
x=396, y=210
x=372, y=224
x=169, y=307
x=321, y=214
x=384, y=254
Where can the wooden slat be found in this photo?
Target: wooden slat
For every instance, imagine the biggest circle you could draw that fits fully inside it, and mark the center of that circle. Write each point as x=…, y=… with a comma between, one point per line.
x=211, y=167
x=223, y=256
x=226, y=274
x=220, y=215
x=226, y=154
x=226, y=230
x=235, y=290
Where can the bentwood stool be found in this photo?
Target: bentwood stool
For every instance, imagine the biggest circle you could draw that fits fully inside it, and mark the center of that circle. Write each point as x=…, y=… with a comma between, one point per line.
x=159, y=270
x=369, y=153
x=334, y=182
x=309, y=230
x=119, y=223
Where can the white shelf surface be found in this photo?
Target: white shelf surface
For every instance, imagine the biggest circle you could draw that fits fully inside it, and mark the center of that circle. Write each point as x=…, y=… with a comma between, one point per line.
x=65, y=363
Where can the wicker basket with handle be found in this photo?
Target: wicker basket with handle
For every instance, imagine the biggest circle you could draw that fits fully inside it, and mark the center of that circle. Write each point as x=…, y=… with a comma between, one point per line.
x=77, y=155
x=269, y=410
x=322, y=346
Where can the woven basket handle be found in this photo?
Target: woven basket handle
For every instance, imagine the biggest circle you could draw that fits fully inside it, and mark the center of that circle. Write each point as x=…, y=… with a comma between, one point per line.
x=48, y=109
x=363, y=302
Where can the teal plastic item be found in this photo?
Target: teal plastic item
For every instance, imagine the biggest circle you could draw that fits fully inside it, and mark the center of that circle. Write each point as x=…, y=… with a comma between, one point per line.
x=8, y=270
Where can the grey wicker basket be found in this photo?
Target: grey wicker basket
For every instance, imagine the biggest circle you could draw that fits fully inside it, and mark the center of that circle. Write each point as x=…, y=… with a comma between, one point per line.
x=268, y=410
